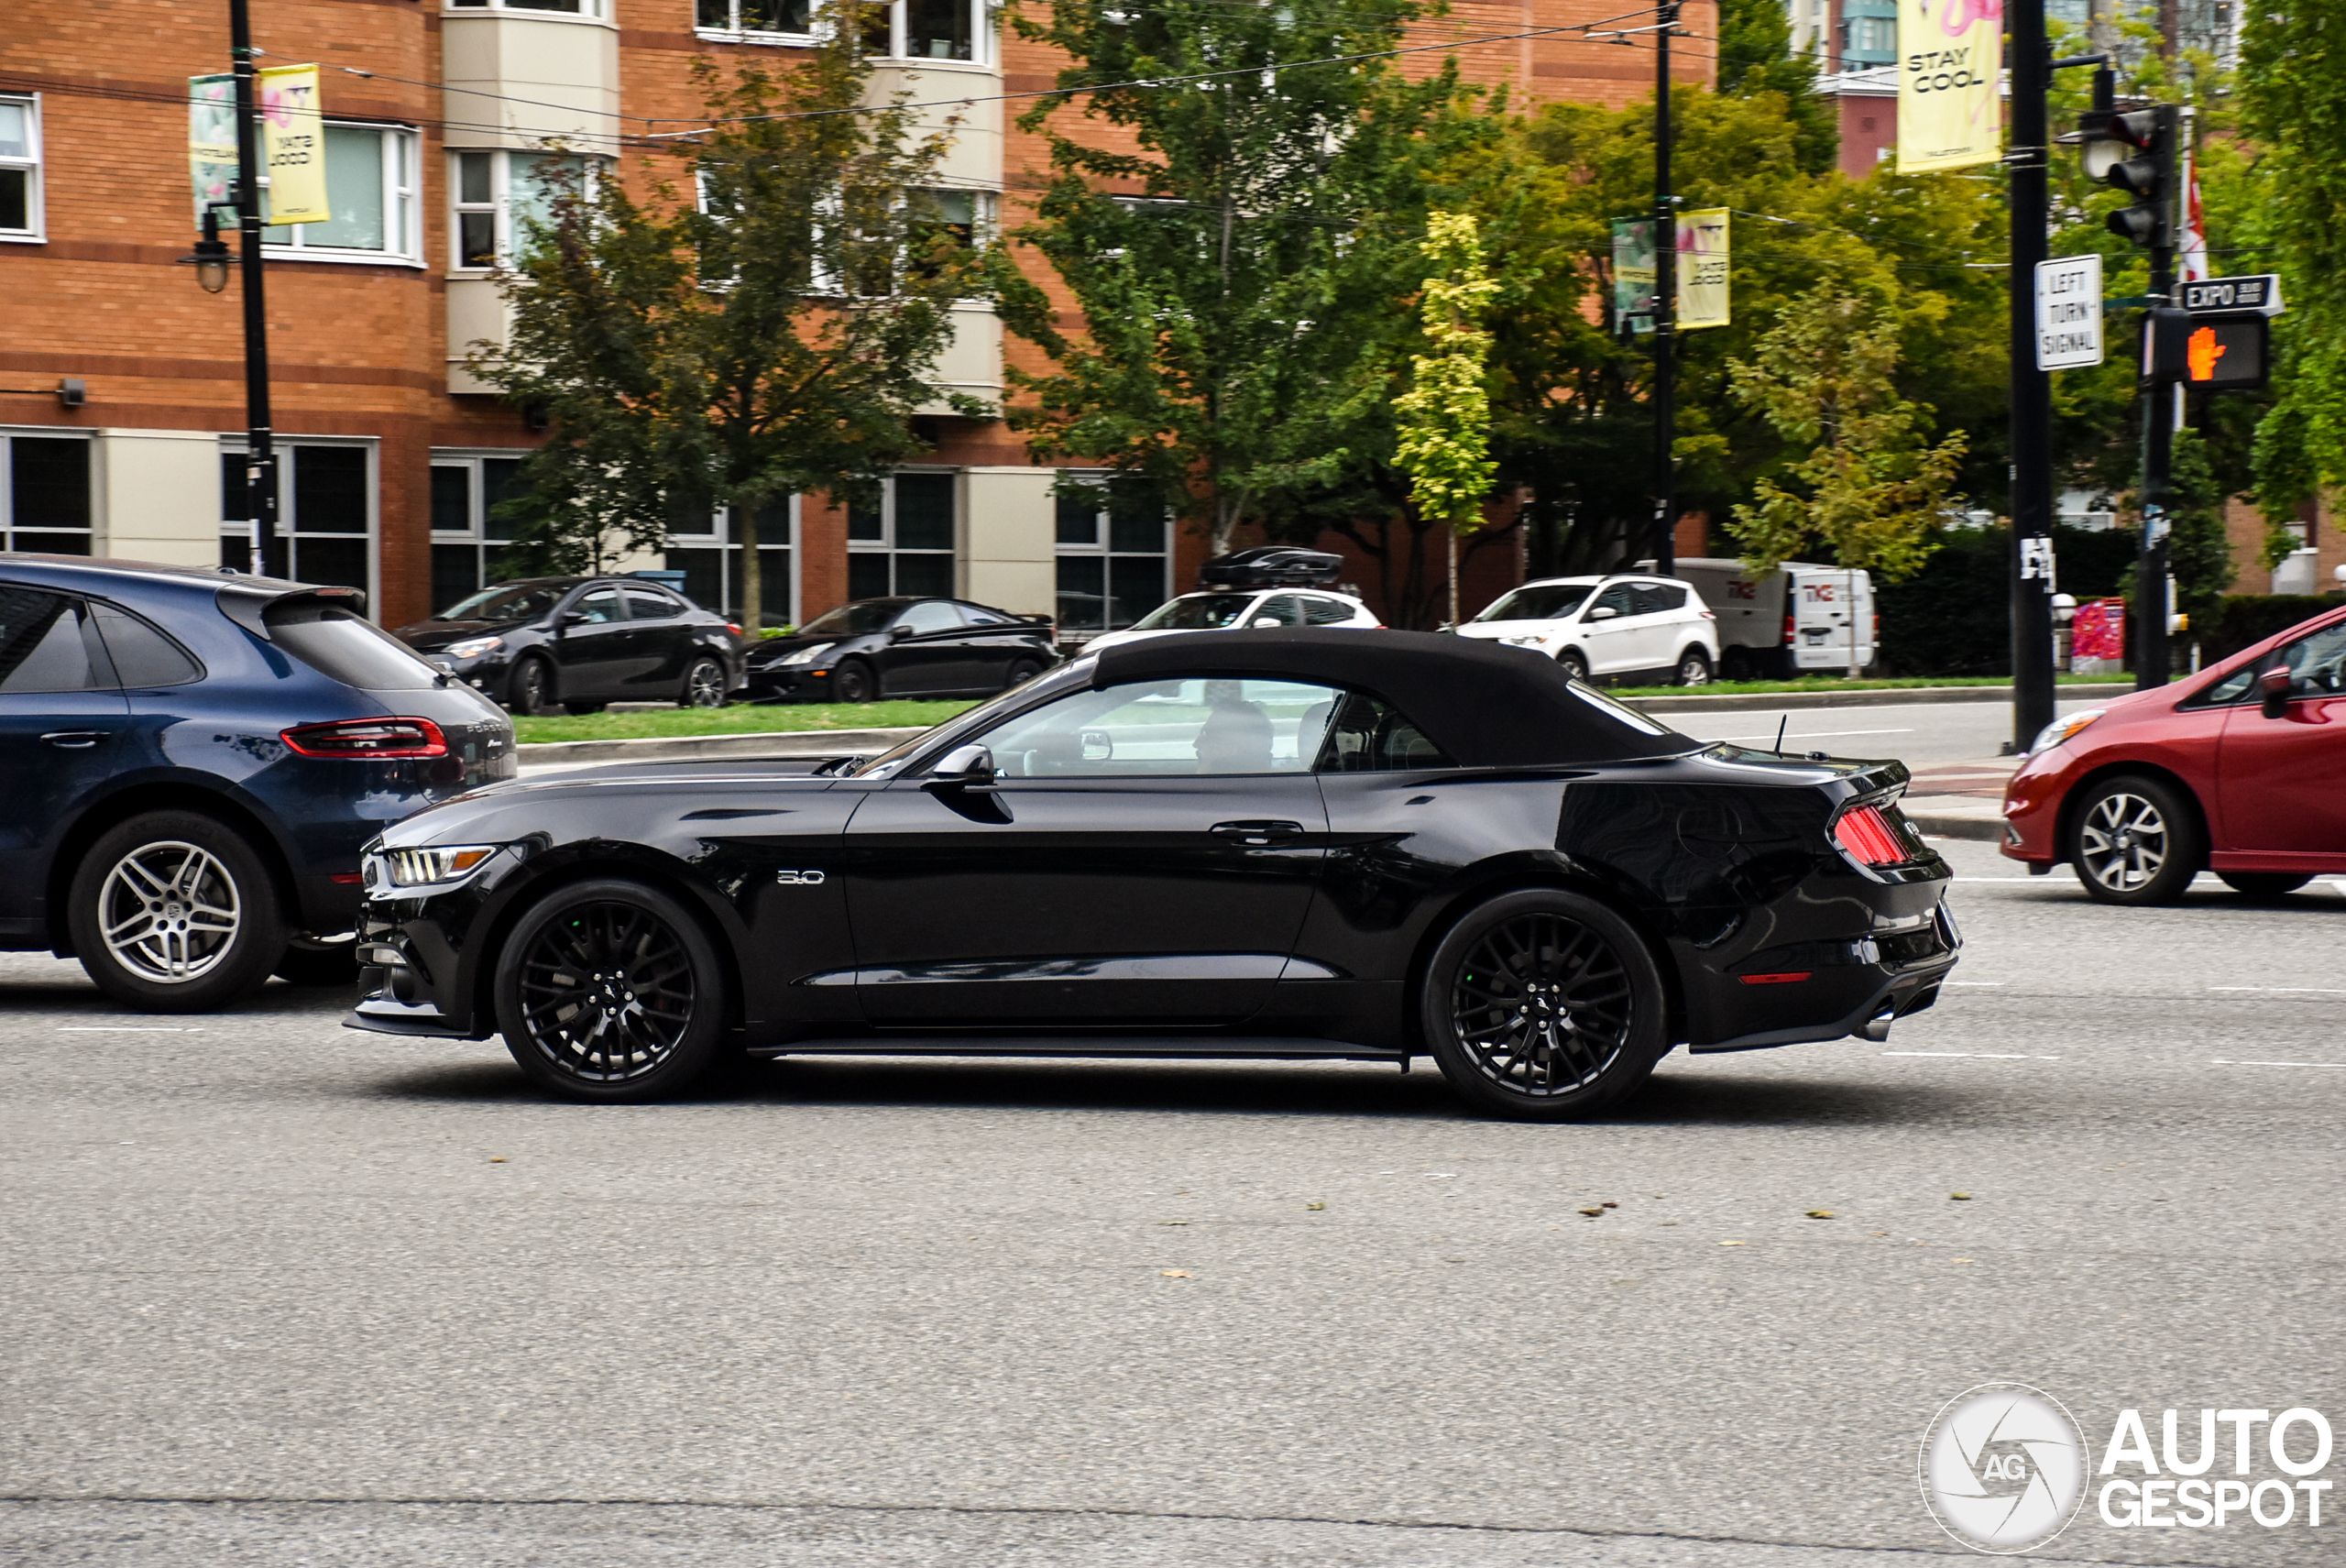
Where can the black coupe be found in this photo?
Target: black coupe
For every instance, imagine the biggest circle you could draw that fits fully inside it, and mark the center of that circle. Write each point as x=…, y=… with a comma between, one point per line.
x=1269, y=844
x=901, y=647
x=583, y=643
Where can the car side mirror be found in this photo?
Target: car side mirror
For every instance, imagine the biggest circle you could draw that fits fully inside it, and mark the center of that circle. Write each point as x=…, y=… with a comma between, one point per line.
x=964, y=768
x=2273, y=686
x=898, y=633
x=1603, y=612
x=570, y=618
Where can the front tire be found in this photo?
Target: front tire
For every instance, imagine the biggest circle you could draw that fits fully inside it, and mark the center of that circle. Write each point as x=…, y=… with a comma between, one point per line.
x=2136, y=840
x=852, y=681
x=703, y=686
x=1543, y=1006
x=610, y=990
x=2263, y=884
x=533, y=688
x=1693, y=668
x=174, y=912
x=1573, y=663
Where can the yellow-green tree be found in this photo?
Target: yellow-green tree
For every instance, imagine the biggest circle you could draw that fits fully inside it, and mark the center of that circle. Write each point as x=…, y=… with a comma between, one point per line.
x=1444, y=418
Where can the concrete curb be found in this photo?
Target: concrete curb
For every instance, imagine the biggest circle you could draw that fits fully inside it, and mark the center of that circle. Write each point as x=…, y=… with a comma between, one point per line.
x=1941, y=822
x=1881, y=697
x=683, y=748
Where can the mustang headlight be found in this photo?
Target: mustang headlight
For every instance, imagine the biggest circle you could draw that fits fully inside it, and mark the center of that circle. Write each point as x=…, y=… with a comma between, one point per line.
x=473, y=647
x=2060, y=730
x=805, y=655
x=440, y=865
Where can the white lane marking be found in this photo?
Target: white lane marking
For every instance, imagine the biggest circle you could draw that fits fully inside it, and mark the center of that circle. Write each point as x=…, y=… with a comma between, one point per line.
x=1976, y=1056
x=2000, y=879
x=2324, y=990
x=1926, y=1053
x=128, y=1030
x=2222, y=1062
x=1818, y=734
x=1973, y=982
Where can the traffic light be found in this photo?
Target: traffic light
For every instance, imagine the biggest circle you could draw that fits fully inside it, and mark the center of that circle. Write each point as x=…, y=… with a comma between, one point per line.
x=2134, y=151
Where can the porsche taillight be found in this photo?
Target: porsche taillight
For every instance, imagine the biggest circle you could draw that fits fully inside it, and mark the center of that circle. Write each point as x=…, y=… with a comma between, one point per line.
x=1870, y=837
x=367, y=737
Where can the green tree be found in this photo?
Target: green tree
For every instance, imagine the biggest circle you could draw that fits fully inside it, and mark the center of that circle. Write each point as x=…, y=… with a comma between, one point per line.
x=771, y=332
x=1756, y=55
x=1445, y=415
x=1237, y=247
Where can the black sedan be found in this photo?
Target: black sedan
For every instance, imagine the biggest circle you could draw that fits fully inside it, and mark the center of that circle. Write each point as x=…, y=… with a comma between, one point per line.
x=583, y=643
x=1266, y=844
x=901, y=647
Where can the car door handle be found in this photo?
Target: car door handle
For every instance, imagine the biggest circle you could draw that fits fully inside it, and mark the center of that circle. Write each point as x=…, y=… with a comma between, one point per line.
x=1256, y=834
x=74, y=739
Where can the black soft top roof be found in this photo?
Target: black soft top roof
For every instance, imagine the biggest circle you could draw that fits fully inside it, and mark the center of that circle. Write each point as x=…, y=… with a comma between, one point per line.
x=1486, y=704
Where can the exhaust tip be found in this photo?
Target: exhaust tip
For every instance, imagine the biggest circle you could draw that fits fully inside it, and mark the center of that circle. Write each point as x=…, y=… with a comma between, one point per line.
x=1877, y=1028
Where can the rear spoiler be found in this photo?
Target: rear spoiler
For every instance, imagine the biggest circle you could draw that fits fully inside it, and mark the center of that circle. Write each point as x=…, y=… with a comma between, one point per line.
x=251, y=602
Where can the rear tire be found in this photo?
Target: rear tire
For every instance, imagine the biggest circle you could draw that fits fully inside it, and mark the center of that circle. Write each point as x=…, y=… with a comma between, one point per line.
x=703, y=686
x=177, y=890
x=2263, y=884
x=1734, y=665
x=581, y=709
x=852, y=681
x=609, y=991
x=1693, y=668
x=2136, y=840
x=1543, y=1006
x=532, y=689
x=1021, y=673
x=1573, y=663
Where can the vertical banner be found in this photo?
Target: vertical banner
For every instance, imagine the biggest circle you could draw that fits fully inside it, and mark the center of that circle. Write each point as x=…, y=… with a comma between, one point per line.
x=1950, y=62
x=293, y=146
x=211, y=140
x=1635, y=300
x=1702, y=268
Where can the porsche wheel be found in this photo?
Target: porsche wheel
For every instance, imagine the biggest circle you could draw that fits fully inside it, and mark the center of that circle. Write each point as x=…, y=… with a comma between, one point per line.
x=1543, y=1005
x=2136, y=840
x=1573, y=663
x=610, y=990
x=703, y=686
x=852, y=681
x=173, y=912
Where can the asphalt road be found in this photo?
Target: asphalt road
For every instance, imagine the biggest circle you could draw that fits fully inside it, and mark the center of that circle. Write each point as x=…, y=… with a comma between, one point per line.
x=1918, y=733
x=275, y=1293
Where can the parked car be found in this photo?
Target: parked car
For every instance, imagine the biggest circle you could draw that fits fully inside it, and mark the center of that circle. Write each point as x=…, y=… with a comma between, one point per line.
x=192, y=763
x=1258, y=844
x=1244, y=609
x=581, y=643
x=902, y=647
x=1799, y=619
x=1621, y=627
x=2238, y=770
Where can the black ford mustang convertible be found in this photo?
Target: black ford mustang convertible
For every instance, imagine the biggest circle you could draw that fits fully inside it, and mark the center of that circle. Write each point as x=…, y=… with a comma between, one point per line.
x=1272, y=844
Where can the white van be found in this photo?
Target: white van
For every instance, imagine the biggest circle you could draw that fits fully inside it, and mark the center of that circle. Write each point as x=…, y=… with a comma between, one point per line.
x=1800, y=618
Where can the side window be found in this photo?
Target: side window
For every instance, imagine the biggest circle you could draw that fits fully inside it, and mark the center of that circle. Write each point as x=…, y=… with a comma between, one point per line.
x=597, y=606
x=1176, y=727
x=1371, y=736
x=1279, y=610
x=45, y=644
x=2233, y=688
x=2318, y=663
x=142, y=655
x=1617, y=598
x=1653, y=599
x=978, y=615
x=931, y=616
x=651, y=604
x=1326, y=612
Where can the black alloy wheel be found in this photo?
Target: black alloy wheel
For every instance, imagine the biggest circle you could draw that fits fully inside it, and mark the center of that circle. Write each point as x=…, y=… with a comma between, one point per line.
x=1575, y=663
x=703, y=686
x=852, y=681
x=1693, y=668
x=533, y=688
x=2263, y=884
x=2135, y=839
x=174, y=912
x=1022, y=671
x=1543, y=1005
x=610, y=990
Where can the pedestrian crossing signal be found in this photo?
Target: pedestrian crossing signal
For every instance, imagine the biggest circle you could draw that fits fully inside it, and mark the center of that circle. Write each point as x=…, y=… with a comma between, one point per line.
x=2225, y=355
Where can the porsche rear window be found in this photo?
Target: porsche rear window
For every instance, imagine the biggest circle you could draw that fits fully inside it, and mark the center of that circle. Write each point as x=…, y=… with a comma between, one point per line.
x=347, y=648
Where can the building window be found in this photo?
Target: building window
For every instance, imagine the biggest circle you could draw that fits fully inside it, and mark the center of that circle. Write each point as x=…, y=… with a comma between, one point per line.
x=542, y=8
x=905, y=546
x=469, y=541
x=1115, y=557
x=45, y=506
x=370, y=188
x=1871, y=40
x=710, y=559
x=929, y=30
x=783, y=19
x=498, y=197
x=19, y=168
x=326, y=512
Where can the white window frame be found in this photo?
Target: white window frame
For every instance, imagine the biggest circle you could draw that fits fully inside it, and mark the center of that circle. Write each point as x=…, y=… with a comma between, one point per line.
x=720, y=537
x=1103, y=550
x=9, y=435
x=737, y=33
x=402, y=152
x=284, y=447
x=981, y=39
x=886, y=544
x=475, y=533
x=499, y=204
x=36, y=214
x=587, y=11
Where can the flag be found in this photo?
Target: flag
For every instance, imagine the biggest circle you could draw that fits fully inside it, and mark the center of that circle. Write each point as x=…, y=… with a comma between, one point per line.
x=1702, y=268
x=2191, y=245
x=1950, y=65
x=293, y=146
x=211, y=141
x=1635, y=302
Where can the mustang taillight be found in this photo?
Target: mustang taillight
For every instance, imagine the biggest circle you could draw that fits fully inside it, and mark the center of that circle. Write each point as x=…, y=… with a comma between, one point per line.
x=1870, y=838
x=368, y=737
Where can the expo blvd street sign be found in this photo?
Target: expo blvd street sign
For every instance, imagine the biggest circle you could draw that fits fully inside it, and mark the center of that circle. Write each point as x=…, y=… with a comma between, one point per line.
x=2257, y=294
x=2069, y=312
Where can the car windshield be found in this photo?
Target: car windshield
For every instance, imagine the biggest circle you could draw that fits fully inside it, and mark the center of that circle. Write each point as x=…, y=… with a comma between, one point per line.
x=1538, y=601
x=1195, y=612
x=858, y=620
x=525, y=601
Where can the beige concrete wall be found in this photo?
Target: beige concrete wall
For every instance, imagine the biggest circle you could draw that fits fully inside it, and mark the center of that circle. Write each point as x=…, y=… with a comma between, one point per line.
x=476, y=313
x=1009, y=558
x=158, y=496
x=532, y=79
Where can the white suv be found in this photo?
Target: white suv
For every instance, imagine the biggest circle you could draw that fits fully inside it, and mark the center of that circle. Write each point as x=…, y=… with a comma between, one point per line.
x=1231, y=609
x=1626, y=625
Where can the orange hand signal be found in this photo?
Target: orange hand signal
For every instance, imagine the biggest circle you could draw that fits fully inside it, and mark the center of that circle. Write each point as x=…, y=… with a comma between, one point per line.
x=2201, y=354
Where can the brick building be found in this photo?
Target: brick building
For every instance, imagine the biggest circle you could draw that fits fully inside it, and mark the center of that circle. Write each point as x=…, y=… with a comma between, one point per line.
x=436, y=110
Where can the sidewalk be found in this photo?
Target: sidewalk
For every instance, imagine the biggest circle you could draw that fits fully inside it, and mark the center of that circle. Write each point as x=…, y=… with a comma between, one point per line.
x=1960, y=800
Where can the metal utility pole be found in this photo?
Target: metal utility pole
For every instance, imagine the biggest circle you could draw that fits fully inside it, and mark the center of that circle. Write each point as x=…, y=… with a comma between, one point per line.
x=2032, y=389
x=1665, y=316
x=260, y=450
x=2152, y=663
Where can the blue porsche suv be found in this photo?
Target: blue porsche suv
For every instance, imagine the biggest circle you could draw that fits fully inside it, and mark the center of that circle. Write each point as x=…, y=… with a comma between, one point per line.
x=189, y=761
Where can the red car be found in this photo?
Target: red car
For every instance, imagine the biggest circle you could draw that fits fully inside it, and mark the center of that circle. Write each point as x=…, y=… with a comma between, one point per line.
x=2240, y=770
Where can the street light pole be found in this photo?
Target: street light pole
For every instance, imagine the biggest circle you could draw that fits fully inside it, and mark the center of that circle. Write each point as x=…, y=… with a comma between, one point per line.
x=2032, y=389
x=1665, y=313
x=260, y=450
